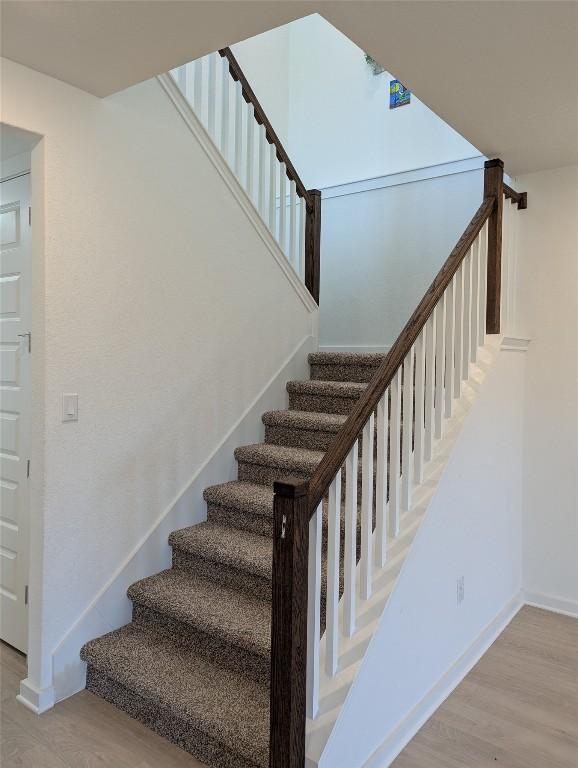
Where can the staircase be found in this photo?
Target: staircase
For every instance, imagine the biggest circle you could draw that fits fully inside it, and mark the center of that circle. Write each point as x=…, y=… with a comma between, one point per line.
x=194, y=663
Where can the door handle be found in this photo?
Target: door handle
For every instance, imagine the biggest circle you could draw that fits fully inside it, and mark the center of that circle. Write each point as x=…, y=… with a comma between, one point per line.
x=25, y=335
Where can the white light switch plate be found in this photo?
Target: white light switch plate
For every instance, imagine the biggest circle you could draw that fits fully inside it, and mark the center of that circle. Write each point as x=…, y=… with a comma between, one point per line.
x=69, y=407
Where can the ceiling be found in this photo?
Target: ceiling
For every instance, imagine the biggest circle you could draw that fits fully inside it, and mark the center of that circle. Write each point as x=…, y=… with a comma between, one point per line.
x=503, y=74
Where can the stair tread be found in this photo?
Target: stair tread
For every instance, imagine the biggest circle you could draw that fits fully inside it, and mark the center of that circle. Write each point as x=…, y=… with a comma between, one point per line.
x=241, y=495
x=284, y=457
x=223, y=704
x=372, y=359
x=310, y=420
x=322, y=388
x=239, y=618
x=233, y=547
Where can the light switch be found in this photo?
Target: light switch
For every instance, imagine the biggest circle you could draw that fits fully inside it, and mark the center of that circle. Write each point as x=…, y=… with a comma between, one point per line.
x=69, y=407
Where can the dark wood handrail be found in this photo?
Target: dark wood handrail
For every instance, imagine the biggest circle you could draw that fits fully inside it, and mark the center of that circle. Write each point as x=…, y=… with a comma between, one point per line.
x=521, y=198
x=260, y=116
x=366, y=405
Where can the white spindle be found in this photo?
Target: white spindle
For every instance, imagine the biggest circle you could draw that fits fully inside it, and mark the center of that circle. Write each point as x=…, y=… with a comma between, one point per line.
x=439, y=372
x=225, y=80
x=190, y=81
x=283, y=207
x=272, y=186
x=198, y=88
x=212, y=93
x=483, y=285
x=419, y=425
x=314, y=612
x=381, y=481
x=182, y=79
x=293, y=234
x=302, y=219
x=239, y=101
x=459, y=326
x=333, y=542
x=467, y=314
x=429, y=385
x=450, y=347
x=394, y=454
x=504, y=309
x=262, y=170
x=250, y=149
x=367, y=508
x=475, y=308
x=407, y=429
x=350, y=551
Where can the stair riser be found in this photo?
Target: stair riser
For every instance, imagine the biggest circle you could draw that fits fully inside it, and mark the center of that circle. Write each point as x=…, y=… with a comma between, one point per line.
x=238, y=518
x=313, y=439
x=166, y=724
x=360, y=374
x=213, y=647
x=266, y=475
x=223, y=574
x=321, y=404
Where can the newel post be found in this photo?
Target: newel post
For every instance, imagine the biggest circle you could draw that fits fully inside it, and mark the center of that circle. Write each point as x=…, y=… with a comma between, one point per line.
x=313, y=243
x=289, y=625
x=494, y=187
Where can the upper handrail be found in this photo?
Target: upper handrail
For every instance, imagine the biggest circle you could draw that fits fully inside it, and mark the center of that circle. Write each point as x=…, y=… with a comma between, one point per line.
x=521, y=198
x=248, y=94
x=334, y=458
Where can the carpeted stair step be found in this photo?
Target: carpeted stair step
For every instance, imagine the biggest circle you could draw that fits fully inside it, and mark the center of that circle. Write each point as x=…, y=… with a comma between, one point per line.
x=263, y=463
x=343, y=366
x=240, y=504
x=226, y=626
x=219, y=716
x=231, y=557
x=302, y=429
x=324, y=396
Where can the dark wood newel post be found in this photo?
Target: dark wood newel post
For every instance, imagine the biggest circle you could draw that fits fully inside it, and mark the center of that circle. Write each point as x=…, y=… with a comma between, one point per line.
x=289, y=625
x=494, y=187
x=313, y=243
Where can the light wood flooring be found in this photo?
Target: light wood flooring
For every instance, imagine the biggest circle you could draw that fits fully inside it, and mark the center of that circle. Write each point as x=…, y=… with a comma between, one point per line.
x=518, y=708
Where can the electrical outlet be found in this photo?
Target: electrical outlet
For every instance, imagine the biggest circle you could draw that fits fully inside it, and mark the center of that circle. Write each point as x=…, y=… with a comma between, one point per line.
x=460, y=590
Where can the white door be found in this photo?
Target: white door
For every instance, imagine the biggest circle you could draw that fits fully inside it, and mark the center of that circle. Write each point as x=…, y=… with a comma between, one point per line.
x=15, y=350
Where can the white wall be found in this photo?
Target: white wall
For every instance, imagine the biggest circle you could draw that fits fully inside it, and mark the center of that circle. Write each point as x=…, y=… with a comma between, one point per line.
x=381, y=249
x=340, y=126
x=548, y=258
x=149, y=308
x=472, y=529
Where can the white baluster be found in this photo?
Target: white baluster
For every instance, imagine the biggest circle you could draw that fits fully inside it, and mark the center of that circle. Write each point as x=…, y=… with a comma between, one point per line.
x=283, y=207
x=419, y=423
x=250, y=150
x=314, y=611
x=367, y=508
x=407, y=429
x=439, y=373
x=350, y=552
x=381, y=480
x=293, y=224
x=504, y=308
x=429, y=386
x=458, y=324
x=302, y=220
x=475, y=308
x=262, y=170
x=239, y=101
x=182, y=79
x=483, y=285
x=190, y=81
x=212, y=93
x=333, y=542
x=394, y=454
x=467, y=315
x=225, y=80
x=198, y=88
x=272, y=187
x=450, y=347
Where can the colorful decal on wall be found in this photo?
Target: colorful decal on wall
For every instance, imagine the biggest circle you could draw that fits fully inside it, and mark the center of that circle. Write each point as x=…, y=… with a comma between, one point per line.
x=399, y=95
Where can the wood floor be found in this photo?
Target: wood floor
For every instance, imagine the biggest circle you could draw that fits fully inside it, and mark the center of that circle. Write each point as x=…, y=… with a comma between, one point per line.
x=518, y=708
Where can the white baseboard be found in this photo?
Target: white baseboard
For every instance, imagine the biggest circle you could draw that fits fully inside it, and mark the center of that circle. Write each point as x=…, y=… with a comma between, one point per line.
x=410, y=725
x=552, y=603
x=111, y=607
x=37, y=700
x=359, y=349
